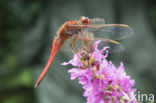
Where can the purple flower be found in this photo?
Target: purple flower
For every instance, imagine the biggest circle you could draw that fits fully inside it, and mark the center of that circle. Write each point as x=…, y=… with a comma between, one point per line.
x=101, y=80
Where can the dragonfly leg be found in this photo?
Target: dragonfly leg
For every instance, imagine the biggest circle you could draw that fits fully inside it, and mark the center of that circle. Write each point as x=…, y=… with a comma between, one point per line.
x=74, y=42
x=72, y=45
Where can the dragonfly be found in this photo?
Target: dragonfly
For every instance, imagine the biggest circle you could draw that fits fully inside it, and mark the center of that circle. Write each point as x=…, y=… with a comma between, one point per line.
x=108, y=33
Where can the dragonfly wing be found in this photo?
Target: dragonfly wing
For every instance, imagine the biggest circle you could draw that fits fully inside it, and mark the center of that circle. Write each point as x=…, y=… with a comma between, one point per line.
x=97, y=21
x=114, y=46
x=65, y=47
x=110, y=31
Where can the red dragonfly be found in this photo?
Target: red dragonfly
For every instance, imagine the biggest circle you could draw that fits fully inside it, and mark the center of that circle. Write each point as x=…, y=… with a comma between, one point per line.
x=72, y=29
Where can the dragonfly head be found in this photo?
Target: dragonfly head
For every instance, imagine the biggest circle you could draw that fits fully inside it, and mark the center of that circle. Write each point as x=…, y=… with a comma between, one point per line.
x=84, y=20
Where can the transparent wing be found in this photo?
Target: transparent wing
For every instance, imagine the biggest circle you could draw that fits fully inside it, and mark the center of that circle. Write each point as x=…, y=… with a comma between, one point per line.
x=109, y=31
x=97, y=21
x=113, y=45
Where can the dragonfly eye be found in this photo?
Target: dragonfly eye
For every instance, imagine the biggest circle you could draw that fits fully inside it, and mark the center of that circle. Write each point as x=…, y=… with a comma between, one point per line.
x=84, y=20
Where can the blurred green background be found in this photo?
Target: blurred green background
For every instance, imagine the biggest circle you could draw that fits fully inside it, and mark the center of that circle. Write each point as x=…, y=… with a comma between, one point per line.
x=27, y=29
